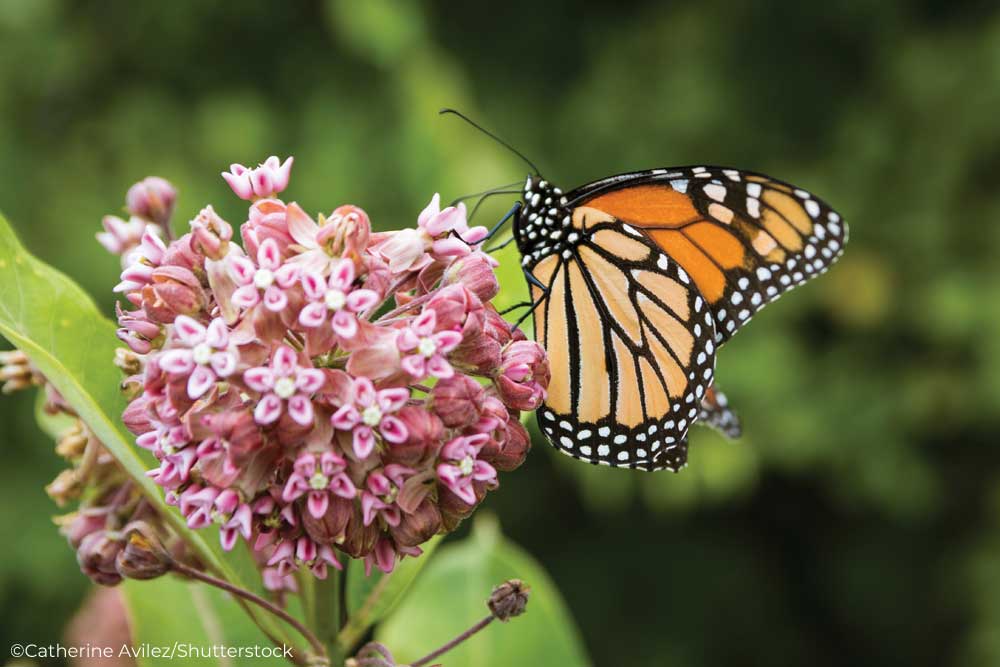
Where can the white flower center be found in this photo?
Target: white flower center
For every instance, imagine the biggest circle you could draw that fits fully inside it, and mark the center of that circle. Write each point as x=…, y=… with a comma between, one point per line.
x=466, y=465
x=372, y=415
x=335, y=299
x=427, y=347
x=263, y=278
x=319, y=481
x=285, y=387
x=202, y=353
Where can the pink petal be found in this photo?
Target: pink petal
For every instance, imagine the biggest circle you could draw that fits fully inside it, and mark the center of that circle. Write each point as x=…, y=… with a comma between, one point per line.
x=483, y=471
x=240, y=183
x=227, y=536
x=309, y=380
x=260, y=178
x=275, y=299
x=393, y=429
x=224, y=363
x=179, y=361
x=313, y=285
x=287, y=275
x=450, y=247
x=268, y=409
x=415, y=366
x=313, y=315
x=269, y=255
x=200, y=381
x=318, y=502
x=425, y=323
x=245, y=297
x=363, y=392
x=283, y=362
x=300, y=409
x=390, y=400
x=407, y=340
x=344, y=324
x=369, y=506
x=294, y=488
x=362, y=299
x=439, y=367
x=189, y=331
x=217, y=334
x=363, y=442
x=342, y=275
x=241, y=269
x=431, y=210
x=341, y=485
x=447, y=340
x=345, y=418
x=259, y=379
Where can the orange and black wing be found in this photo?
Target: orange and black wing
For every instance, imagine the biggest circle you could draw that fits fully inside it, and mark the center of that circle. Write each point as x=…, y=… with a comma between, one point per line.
x=630, y=344
x=743, y=238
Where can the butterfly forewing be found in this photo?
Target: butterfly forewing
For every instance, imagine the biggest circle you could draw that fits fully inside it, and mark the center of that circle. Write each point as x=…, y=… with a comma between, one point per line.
x=744, y=238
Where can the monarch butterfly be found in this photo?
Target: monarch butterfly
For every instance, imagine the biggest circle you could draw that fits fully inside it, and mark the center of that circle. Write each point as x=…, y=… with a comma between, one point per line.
x=638, y=279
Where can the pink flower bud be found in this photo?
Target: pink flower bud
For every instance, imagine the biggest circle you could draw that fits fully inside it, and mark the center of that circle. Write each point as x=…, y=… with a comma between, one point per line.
x=474, y=272
x=457, y=309
x=359, y=539
x=457, y=401
x=331, y=527
x=97, y=554
x=523, y=375
x=173, y=291
x=514, y=449
x=419, y=526
x=153, y=199
x=424, y=432
x=211, y=234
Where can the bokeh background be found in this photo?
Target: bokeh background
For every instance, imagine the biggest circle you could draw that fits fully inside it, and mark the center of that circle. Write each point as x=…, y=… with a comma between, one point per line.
x=857, y=522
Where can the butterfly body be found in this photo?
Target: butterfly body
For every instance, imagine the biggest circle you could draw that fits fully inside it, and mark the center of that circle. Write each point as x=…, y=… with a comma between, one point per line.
x=638, y=278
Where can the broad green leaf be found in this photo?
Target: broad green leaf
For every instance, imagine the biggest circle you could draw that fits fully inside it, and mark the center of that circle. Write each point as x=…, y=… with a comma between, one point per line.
x=370, y=599
x=48, y=317
x=189, y=618
x=451, y=595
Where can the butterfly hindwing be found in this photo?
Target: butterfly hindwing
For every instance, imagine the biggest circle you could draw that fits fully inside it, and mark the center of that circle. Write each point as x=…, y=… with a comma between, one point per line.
x=630, y=346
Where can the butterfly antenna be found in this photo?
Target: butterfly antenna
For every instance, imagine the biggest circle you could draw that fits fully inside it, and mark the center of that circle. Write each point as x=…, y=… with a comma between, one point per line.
x=491, y=136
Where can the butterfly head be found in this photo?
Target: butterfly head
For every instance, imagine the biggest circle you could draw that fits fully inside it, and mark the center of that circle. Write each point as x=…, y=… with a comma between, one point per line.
x=543, y=222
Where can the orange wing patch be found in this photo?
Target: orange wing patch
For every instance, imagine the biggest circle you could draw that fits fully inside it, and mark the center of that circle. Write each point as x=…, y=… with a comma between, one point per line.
x=647, y=206
x=710, y=280
x=594, y=392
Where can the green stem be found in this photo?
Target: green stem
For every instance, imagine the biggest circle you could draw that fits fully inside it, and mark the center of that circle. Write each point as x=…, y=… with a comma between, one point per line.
x=328, y=614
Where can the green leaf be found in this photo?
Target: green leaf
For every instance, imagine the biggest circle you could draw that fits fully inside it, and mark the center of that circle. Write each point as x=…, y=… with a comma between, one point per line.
x=181, y=615
x=451, y=596
x=48, y=317
x=370, y=599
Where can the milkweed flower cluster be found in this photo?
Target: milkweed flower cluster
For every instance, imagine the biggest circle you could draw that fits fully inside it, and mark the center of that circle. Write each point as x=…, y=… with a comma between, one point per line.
x=321, y=389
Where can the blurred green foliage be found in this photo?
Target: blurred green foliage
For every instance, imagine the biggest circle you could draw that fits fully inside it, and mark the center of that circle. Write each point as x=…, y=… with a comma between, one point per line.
x=858, y=520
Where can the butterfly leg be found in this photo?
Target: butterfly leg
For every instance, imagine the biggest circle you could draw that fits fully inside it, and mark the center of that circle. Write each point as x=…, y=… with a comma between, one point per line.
x=715, y=412
x=496, y=228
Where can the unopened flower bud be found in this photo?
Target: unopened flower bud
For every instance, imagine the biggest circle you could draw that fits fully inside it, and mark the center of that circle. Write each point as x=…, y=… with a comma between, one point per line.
x=97, y=554
x=143, y=556
x=457, y=401
x=523, y=375
x=174, y=291
x=418, y=527
x=331, y=527
x=152, y=198
x=509, y=599
x=359, y=539
x=211, y=234
x=127, y=361
x=514, y=448
x=474, y=272
x=80, y=524
x=424, y=433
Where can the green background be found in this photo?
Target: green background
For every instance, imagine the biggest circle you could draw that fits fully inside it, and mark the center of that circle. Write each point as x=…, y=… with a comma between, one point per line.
x=858, y=520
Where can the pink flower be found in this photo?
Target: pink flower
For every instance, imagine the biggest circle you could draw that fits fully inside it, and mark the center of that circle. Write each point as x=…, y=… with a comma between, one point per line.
x=267, y=281
x=235, y=517
x=141, y=261
x=426, y=347
x=205, y=357
x=524, y=375
x=336, y=297
x=269, y=178
x=120, y=236
x=404, y=250
x=320, y=483
x=460, y=466
x=152, y=198
x=368, y=410
x=435, y=222
x=284, y=382
x=379, y=496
